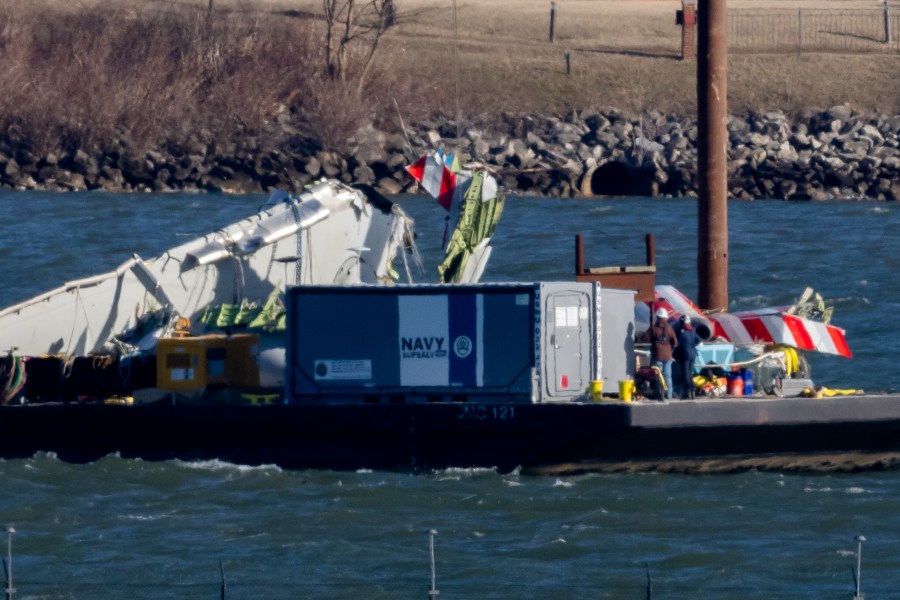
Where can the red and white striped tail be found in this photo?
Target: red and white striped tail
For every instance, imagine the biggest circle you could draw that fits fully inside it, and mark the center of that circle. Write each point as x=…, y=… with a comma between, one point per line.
x=778, y=327
x=765, y=326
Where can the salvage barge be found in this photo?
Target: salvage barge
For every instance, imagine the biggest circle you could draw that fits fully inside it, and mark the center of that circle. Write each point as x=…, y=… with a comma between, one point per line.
x=498, y=376
x=350, y=369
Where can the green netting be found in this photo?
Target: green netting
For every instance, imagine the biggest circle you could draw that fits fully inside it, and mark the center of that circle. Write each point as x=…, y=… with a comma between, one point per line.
x=269, y=317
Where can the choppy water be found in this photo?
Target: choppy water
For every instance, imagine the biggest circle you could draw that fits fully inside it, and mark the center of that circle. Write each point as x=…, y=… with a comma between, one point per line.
x=121, y=528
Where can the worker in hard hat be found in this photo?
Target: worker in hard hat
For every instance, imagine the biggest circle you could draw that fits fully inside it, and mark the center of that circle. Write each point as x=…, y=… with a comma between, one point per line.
x=685, y=355
x=663, y=342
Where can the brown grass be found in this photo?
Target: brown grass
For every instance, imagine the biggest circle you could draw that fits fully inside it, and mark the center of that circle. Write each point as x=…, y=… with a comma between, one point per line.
x=82, y=74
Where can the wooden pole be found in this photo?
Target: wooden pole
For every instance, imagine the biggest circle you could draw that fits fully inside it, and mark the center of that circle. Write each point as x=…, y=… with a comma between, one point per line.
x=888, y=38
x=712, y=119
x=688, y=29
x=553, y=22
x=579, y=254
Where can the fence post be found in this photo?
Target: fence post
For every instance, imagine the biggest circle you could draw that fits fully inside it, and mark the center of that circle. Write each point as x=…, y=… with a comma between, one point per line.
x=888, y=38
x=10, y=590
x=553, y=21
x=799, y=29
x=688, y=21
x=222, y=571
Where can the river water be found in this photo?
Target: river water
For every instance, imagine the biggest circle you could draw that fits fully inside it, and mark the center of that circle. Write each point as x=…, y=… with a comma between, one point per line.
x=125, y=528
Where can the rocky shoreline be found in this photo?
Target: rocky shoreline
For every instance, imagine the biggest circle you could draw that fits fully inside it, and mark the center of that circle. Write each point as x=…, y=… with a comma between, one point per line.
x=816, y=155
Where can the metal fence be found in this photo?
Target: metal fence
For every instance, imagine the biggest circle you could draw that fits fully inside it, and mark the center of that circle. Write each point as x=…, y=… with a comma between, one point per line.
x=814, y=30
x=341, y=590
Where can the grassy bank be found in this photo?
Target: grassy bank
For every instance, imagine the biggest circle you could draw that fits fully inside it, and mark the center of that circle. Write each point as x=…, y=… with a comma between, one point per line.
x=84, y=74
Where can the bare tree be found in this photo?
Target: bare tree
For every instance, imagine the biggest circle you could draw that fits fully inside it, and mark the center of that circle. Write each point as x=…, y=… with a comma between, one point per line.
x=354, y=22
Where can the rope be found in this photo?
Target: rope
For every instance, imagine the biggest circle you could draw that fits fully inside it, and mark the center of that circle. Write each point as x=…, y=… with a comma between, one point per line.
x=102, y=361
x=68, y=362
x=456, y=58
x=776, y=354
x=12, y=376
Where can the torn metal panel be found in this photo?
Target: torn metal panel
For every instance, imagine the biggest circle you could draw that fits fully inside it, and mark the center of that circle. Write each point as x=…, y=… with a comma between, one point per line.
x=319, y=228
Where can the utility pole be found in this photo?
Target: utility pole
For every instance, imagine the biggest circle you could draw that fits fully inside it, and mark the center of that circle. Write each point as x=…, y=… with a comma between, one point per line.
x=712, y=165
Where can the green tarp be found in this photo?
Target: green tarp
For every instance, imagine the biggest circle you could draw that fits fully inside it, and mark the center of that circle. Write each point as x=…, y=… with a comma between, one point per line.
x=477, y=221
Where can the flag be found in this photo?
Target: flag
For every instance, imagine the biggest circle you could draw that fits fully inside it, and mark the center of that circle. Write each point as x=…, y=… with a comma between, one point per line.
x=435, y=177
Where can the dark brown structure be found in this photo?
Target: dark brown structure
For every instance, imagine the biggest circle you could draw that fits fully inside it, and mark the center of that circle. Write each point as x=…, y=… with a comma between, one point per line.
x=641, y=278
x=712, y=120
x=687, y=18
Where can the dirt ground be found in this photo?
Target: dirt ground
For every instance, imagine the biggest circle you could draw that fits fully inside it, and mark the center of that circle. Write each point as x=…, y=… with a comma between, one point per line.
x=619, y=53
x=622, y=53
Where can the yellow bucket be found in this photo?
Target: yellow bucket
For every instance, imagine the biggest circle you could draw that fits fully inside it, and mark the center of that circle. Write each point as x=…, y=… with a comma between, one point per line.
x=597, y=390
x=626, y=390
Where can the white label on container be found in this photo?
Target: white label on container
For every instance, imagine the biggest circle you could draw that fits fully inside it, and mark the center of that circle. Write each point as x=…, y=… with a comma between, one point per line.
x=332, y=370
x=181, y=374
x=571, y=316
x=424, y=340
x=560, y=314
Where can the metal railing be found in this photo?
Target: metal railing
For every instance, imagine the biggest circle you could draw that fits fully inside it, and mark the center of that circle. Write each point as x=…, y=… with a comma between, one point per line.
x=814, y=30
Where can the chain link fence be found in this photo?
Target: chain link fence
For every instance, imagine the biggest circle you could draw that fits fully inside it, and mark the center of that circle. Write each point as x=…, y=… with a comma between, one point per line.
x=814, y=30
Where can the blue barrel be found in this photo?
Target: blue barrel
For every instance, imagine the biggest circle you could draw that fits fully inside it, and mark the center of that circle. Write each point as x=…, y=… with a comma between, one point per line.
x=748, y=381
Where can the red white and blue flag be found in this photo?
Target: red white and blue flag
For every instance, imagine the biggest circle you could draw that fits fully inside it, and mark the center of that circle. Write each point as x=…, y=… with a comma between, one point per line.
x=435, y=177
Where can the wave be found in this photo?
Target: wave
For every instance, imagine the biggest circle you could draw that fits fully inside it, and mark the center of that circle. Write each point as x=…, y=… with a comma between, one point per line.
x=217, y=465
x=144, y=518
x=460, y=472
x=754, y=300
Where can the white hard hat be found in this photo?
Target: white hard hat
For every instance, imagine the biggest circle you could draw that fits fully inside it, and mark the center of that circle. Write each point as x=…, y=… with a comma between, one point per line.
x=687, y=320
x=662, y=313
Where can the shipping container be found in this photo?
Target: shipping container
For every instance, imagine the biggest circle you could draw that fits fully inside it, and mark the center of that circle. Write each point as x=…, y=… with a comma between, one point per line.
x=616, y=337
x=190, y=364
x=193, y=364
x=497, y=342
x=242, y=361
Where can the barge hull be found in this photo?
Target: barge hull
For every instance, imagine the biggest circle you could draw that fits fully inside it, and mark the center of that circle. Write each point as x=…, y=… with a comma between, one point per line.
x=415, y=437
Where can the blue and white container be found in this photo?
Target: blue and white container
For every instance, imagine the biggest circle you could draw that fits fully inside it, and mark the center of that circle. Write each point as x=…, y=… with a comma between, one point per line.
x=527, y=342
